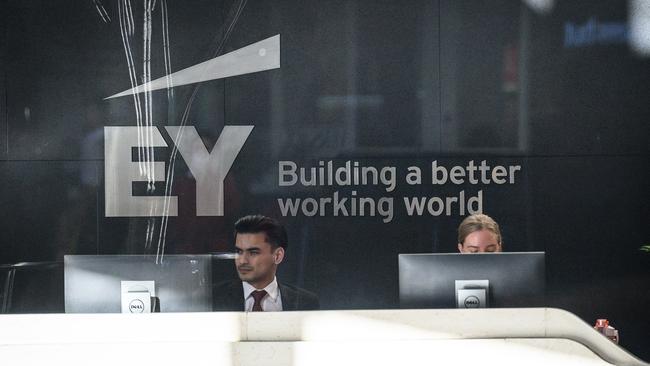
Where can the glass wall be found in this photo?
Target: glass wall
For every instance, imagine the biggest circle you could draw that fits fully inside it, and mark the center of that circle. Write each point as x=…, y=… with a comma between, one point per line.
x=369, y=128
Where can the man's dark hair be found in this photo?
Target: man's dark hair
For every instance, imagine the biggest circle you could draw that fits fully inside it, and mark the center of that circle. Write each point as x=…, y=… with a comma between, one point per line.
x=276, y=234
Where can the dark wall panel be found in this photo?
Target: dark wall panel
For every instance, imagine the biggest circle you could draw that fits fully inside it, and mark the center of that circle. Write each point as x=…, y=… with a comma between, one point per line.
x=49, y=209
x=587, y=85
x=3, y=88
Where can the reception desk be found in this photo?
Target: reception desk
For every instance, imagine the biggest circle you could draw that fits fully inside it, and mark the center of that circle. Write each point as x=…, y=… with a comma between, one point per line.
x=540, y=336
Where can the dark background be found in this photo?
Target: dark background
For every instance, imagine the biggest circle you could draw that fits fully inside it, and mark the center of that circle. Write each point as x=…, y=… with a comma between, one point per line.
x=385, y=83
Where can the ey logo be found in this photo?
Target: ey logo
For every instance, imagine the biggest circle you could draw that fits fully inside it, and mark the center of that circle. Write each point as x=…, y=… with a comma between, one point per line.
x=209, y=168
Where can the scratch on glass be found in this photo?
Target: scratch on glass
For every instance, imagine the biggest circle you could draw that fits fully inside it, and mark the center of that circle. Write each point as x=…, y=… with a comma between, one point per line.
x=102, y=11
x=229, y=25
x=144, y=107
x=168, y=65
x=126, y=31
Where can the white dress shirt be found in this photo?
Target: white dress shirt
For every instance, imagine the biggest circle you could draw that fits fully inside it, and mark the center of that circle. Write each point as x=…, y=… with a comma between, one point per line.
x=270, y=302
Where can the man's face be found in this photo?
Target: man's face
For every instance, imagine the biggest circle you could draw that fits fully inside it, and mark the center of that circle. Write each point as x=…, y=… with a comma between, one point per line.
x=482, y=241
x=256, y=260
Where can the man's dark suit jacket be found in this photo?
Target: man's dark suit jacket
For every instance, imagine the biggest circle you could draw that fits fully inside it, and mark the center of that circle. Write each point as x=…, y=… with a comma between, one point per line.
x=229, y=296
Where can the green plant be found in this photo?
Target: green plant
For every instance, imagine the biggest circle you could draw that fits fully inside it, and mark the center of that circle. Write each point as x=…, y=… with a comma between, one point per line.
x=645, y=248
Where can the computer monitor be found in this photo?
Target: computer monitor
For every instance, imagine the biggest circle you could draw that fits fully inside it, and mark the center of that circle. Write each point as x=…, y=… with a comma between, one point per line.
x=109, y=283
x=496, y=280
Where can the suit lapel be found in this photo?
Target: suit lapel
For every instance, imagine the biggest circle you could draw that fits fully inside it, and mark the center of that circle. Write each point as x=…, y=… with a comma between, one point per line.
x=232, y=297
x=289, y=300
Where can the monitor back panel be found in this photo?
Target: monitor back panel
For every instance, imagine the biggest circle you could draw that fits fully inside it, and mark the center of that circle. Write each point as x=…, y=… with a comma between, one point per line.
x=183, y=283
x=515, y=279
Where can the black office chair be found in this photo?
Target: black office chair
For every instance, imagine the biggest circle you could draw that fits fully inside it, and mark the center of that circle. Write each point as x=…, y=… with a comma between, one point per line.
x=32, y=287
x=6, y=281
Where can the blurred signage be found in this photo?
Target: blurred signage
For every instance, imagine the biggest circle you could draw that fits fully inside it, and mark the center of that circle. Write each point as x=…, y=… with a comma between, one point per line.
x=594, y=32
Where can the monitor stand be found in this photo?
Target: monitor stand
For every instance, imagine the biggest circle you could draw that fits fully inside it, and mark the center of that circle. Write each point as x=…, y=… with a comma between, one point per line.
x=472, y=293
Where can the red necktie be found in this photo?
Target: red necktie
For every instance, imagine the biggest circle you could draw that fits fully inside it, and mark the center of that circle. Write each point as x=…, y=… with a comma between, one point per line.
x=258, y=296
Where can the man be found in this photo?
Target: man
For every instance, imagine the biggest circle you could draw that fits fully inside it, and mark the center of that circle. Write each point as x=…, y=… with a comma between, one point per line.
x=479, y=233
x=261, y=243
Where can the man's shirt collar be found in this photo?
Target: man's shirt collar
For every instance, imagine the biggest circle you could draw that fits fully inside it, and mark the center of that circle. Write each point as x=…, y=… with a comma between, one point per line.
x=271, y=289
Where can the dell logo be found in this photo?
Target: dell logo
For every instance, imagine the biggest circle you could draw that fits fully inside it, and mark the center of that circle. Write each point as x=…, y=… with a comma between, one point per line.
x=209, y=168
x=136, y=306
x=472, y=302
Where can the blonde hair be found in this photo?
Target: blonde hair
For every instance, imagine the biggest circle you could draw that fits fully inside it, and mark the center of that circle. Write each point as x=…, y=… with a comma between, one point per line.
x=477, y=222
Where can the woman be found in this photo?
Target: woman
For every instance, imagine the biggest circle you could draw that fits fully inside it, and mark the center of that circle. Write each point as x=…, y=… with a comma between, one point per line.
x=479, y=233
